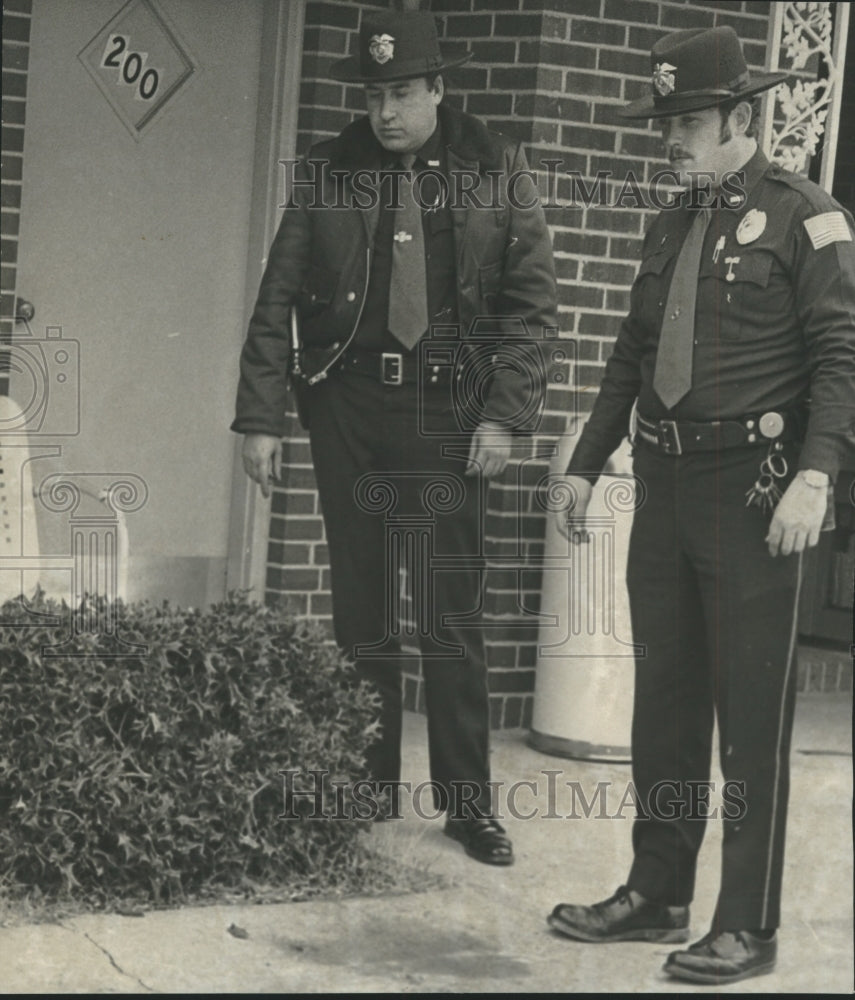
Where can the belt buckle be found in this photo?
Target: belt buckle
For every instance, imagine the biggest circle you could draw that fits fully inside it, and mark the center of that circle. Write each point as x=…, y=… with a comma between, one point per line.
x=393, y=369
x=669, y=437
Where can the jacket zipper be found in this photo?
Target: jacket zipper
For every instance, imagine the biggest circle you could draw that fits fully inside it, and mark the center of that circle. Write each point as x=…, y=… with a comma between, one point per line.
x=322, y=374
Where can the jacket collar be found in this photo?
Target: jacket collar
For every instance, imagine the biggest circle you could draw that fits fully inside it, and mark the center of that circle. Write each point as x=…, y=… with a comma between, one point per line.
x=741, y=183
x=465, y=137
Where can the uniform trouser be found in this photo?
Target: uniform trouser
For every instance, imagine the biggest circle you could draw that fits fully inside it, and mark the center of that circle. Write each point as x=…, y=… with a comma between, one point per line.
x=715, y=614
x=388, y=492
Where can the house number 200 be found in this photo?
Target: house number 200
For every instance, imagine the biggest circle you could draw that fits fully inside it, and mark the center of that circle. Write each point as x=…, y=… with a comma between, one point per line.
x=130, y=65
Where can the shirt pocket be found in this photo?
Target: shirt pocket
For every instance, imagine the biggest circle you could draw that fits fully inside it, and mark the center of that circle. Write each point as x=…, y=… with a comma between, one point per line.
x=745, y=296
x=651, y=287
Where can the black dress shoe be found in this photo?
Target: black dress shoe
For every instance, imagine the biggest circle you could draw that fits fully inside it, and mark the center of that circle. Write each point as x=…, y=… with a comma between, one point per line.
x=723, y=958
x=483, y=839
x=620, y=918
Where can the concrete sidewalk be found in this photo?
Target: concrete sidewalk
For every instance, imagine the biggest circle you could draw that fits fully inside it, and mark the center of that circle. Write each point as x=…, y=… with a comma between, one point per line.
x=487, y=932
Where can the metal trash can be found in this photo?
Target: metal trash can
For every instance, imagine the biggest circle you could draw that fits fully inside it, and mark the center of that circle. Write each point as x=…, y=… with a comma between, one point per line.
x=586, y=657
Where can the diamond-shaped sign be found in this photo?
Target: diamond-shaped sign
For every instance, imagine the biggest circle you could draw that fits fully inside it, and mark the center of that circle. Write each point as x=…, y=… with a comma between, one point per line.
x=138, y=62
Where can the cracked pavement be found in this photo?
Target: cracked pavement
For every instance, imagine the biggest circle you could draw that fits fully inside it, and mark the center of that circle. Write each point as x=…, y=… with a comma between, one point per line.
x=487, y=931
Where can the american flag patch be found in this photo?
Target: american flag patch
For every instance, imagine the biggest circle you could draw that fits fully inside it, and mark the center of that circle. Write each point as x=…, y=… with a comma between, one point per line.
x=830, y=227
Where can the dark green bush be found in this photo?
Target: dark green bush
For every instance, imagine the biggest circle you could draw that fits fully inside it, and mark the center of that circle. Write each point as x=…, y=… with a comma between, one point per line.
x=154, y=776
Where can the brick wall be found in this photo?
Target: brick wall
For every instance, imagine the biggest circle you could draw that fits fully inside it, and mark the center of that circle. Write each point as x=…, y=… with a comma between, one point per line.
x=16, y=39
x=551, y=74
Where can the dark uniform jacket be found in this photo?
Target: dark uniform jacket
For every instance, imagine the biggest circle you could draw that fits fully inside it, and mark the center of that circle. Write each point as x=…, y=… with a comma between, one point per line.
x=321, y=257
x=775, y=319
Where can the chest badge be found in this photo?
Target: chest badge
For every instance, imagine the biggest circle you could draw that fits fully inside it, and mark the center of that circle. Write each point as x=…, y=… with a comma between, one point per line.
x=752, y=226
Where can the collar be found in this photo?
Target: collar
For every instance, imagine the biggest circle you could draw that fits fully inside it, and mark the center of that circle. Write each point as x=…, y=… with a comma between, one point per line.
x=428, y=155
x=460, y=134
x=743, y=181
x=431, y=152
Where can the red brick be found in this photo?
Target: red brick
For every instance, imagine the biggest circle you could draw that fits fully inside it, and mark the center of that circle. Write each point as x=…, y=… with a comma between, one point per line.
x=309, y=528
x=599, y=324
x=519, y=25
x=580, y=296
x=644, y=38
x=617, y=300
x=10, y=196
x=591, y=84
x=494, y=51
x=323, y=39
x=589, y=350
x=15, y=29
x=549, y=106
x=597, y=32
x=317, y=93
x=469, y=26
x=489, y=104
x=501, y=656
x=622, y=61
x=580, y=243
x=468, y=78
x=647, y=144
x=525, y=78
x=14, y=85
x=589, y=138
x=613, y=220
x=589, y=374
x=584, y=8
x=16, y=57
x=626, y=249
x=633, y=11
x=561, y=54
x=684, y=16
x=440, y=6
x=608, y=273
x=320, y=605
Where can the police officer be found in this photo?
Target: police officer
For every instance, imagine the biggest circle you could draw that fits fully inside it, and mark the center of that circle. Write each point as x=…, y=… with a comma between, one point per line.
x=402, y=231
x=738, y=355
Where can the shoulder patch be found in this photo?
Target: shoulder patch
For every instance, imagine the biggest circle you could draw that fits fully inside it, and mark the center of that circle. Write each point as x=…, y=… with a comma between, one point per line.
x=829, y=227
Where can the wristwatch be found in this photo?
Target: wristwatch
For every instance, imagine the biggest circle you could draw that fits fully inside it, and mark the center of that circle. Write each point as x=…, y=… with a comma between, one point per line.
x=812, y=477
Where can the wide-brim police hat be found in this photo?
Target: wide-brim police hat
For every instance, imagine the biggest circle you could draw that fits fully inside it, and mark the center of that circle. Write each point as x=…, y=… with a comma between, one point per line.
x=395, y=46
x=697, y=69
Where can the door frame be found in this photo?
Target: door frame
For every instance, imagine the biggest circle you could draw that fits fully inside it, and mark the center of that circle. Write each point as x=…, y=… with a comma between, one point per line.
x=275, y=139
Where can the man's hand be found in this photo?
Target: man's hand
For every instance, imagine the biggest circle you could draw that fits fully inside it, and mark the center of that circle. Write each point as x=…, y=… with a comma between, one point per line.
x=490, y=450
x=262, y=456
x=571, y=521
x=798, y=518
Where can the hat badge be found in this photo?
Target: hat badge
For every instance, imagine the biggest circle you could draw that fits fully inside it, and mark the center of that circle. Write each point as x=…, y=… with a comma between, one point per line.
x=663, y=78
x=381, y=48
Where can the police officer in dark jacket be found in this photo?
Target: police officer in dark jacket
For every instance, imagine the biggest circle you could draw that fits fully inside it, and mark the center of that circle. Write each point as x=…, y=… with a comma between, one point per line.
x=416, y=250
x=738, y=356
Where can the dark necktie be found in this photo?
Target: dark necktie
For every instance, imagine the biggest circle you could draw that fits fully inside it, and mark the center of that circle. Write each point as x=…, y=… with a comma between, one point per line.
x=408, y=313
x=672, y=377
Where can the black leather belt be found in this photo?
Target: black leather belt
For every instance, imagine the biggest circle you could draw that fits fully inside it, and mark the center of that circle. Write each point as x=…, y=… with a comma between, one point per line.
x=674, y=437
x=391, y=368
